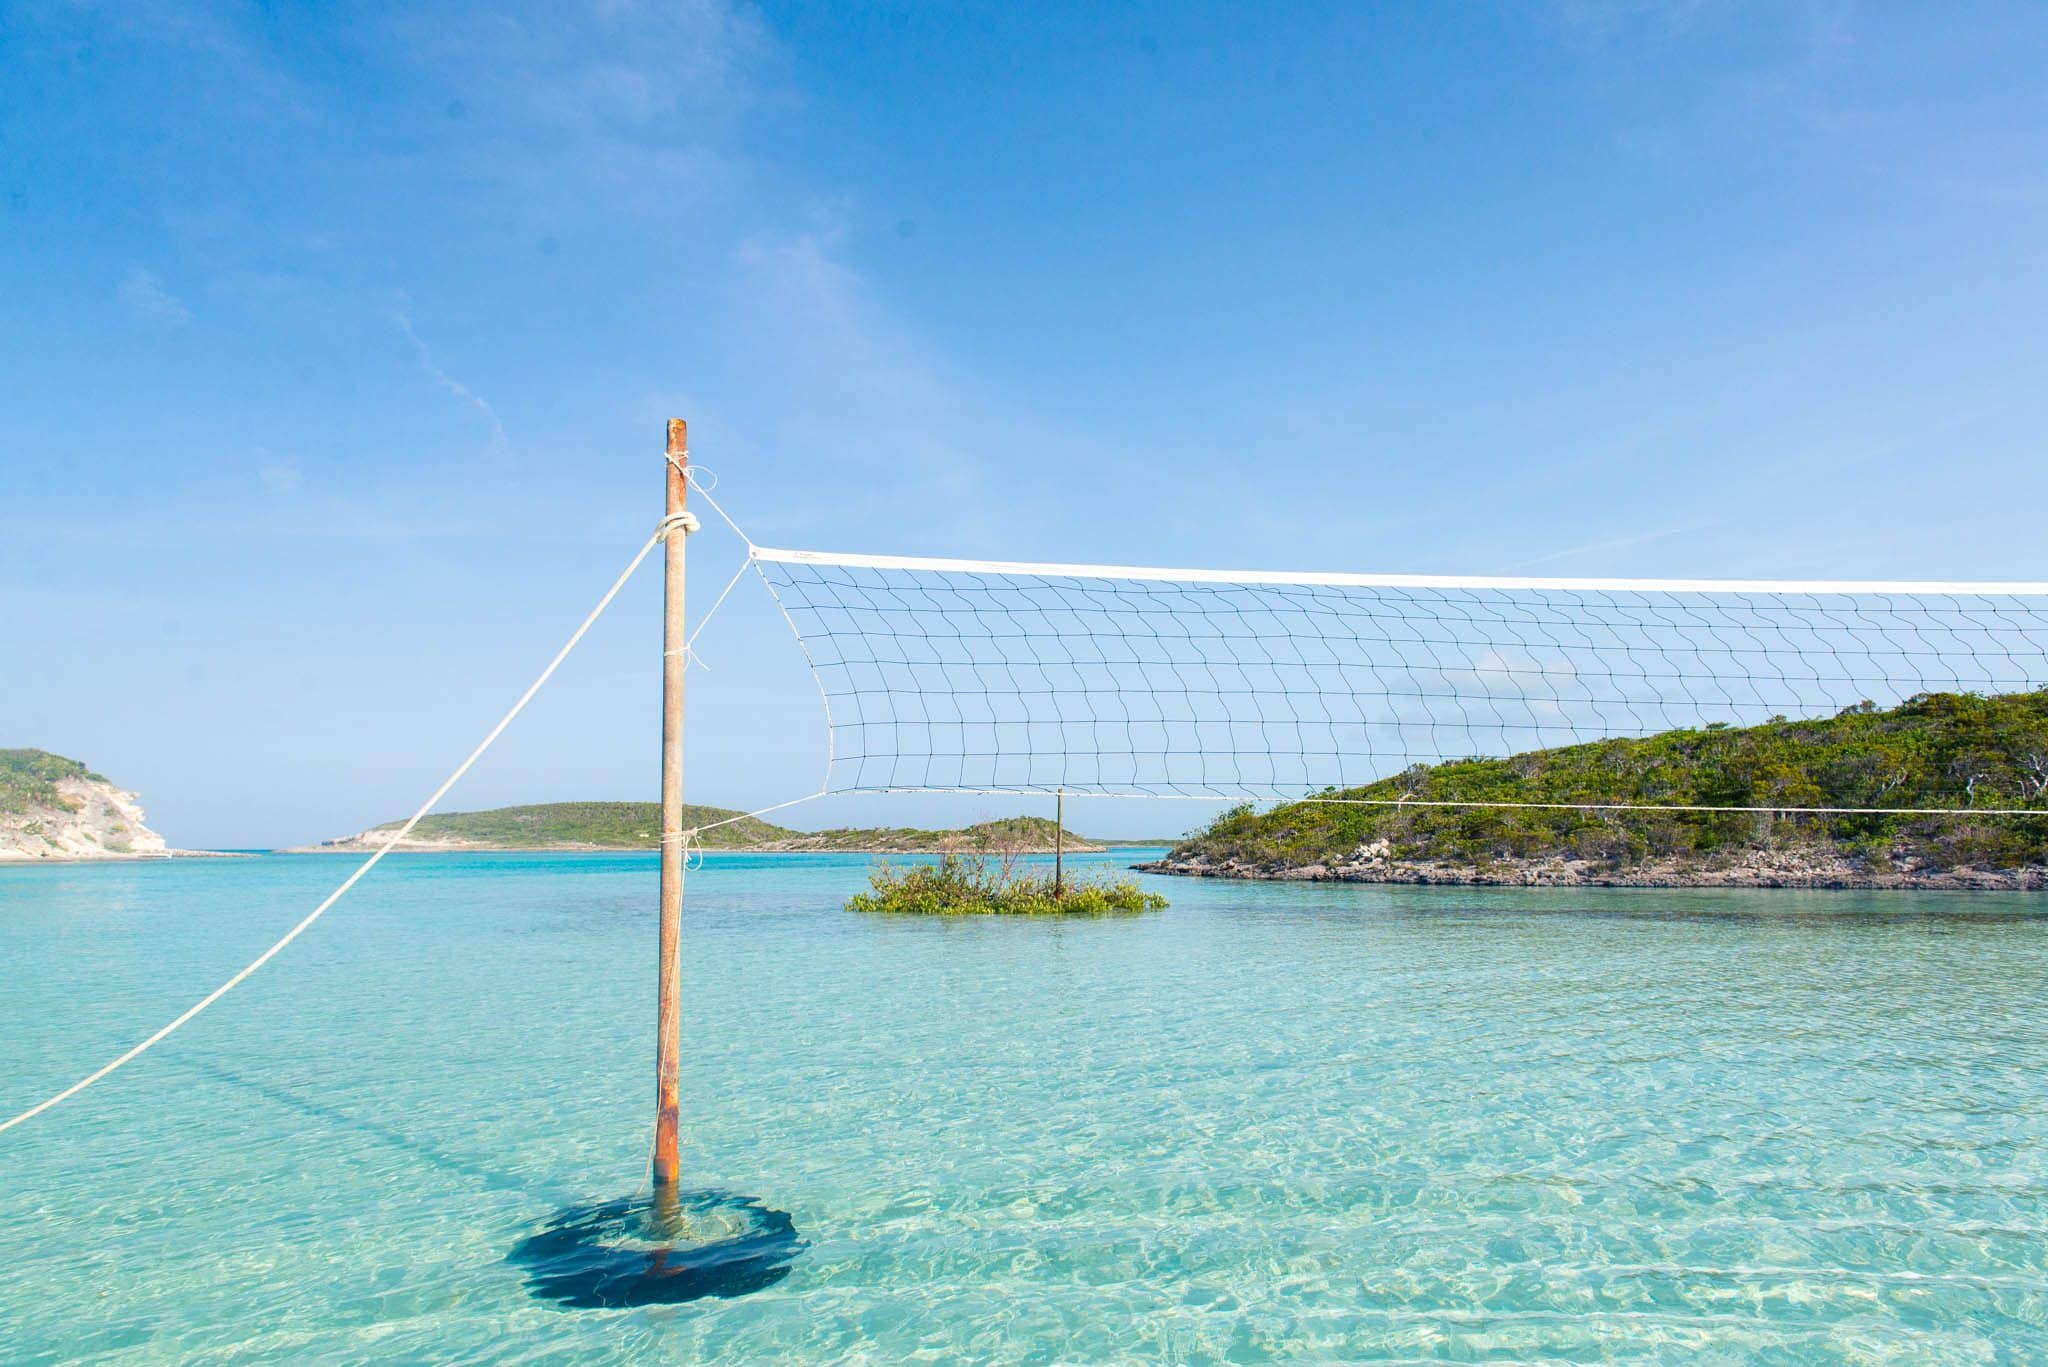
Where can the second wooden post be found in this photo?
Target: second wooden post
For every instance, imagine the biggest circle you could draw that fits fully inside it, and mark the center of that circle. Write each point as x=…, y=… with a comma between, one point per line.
x=1059, y=843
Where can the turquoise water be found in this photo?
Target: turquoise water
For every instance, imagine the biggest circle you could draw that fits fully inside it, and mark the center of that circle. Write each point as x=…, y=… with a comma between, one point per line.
x=1272, y=1123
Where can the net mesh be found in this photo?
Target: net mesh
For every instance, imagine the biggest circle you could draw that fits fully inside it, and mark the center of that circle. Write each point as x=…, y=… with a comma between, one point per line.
x=1026, y=679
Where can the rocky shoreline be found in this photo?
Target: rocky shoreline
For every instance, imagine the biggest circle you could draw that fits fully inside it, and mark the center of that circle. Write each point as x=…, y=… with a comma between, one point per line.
x=1755, y=869
x=17, y=858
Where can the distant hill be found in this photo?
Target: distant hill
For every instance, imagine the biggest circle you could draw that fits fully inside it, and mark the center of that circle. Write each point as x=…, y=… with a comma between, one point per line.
x=56, y=808
x=1935, y=750
x=565, y=825
x=637, y=826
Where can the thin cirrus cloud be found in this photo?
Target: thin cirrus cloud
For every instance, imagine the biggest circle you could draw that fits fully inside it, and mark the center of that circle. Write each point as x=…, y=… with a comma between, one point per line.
x=881, y=398
x=500, y=445
x=1617, y=543
x=148, y=300
x=623, y=104
x=281, y=476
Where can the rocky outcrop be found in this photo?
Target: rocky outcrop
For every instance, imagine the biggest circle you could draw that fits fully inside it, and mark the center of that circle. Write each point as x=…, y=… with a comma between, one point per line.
x=83, y=817
x=1811, y=868
x=363, y=842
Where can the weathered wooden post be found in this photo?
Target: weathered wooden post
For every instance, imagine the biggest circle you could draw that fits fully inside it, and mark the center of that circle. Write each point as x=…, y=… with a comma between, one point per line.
x=1059, y=842
x=668, y=1015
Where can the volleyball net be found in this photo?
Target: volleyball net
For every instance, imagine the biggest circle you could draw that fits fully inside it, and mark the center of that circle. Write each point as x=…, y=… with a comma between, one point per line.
x=995, y=677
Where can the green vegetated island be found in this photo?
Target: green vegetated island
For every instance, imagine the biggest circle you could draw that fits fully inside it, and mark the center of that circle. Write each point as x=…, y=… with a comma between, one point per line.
x=1937, y=750
x=637, y=826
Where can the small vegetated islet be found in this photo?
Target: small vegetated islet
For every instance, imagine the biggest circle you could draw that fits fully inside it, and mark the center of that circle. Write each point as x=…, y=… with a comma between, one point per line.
x=977, y=885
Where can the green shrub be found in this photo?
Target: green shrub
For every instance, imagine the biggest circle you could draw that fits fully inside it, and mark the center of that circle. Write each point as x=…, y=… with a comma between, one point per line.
x=975, y=885
x=29, y=778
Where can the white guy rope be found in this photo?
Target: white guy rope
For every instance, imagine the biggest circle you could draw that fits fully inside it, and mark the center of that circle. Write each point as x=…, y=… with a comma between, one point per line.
x=692, y=476
x=695, y=831
x=697, y=476
x=698, y=630
x=267, y=955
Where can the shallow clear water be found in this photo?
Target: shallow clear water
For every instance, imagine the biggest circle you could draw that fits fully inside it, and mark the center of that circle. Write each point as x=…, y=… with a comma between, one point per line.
x=1274, y=1122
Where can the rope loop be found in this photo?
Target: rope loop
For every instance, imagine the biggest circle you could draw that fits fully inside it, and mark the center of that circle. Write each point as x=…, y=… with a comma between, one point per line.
x=692, y=847
x=684, y=522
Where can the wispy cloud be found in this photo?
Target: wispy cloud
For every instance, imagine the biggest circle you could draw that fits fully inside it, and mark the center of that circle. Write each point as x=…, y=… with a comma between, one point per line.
x=878, y=397
x=910, y=427
x=281, y=476
x=148, y=300
x=1617, y=543
x=500, y=446
x=628, y=104
x=1601, y=21
x=1814, y=24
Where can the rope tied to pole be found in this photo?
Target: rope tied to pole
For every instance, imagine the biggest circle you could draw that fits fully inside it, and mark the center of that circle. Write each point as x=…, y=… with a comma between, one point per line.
x=692, y=845
x=684, y=522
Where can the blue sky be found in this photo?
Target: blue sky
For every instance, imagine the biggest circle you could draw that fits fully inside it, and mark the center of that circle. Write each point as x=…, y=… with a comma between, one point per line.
x=335, y=341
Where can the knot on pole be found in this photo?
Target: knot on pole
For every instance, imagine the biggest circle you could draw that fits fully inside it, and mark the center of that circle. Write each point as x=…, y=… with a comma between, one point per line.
x=684, y=522
x=692, y=847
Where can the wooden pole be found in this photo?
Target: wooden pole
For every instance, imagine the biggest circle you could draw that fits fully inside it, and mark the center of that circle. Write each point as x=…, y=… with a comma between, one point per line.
x=668, y=1015
x=1059, y=841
